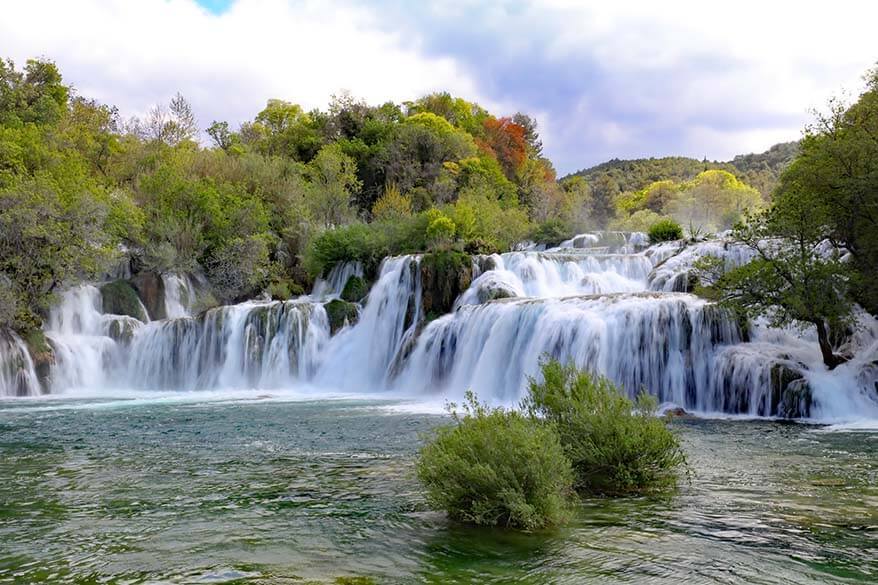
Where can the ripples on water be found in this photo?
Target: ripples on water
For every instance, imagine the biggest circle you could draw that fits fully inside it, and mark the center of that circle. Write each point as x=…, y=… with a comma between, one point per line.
x=285, y=492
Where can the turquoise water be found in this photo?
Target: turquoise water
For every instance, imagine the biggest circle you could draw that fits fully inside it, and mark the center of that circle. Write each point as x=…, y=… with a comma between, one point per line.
x=267, y=491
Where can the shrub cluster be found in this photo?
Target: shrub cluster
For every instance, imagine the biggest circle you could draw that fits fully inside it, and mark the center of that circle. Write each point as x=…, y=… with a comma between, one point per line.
x=575, y=433
x=495, y=467
x=665, y=230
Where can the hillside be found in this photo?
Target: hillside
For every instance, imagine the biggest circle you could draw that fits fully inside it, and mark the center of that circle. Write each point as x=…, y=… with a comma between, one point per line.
x=759, y=170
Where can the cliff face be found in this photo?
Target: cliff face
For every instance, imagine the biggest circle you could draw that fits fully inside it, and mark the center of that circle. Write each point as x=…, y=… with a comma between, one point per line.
x=444, y=277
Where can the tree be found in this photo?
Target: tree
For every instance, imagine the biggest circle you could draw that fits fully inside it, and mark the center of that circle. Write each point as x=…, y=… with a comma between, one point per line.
x=334, y=183
x=795, y=278
x=393, y=205
x=604, y=191
x=839, y=163
x=48, y=238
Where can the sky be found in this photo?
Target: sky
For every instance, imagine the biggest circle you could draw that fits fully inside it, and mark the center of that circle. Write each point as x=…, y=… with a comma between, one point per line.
x=608, y=79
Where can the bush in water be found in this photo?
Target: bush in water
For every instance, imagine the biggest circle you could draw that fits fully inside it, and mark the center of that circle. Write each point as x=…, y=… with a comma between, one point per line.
x=616, y=446
x=497, y=467
x=665, y=230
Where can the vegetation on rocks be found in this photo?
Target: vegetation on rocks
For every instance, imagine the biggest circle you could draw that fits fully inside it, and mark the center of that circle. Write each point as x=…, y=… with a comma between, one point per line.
x=120, y=298
x=340, y=313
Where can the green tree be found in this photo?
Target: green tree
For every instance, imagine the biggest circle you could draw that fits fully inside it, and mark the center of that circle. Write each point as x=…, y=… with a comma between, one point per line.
x=334, y=183
x=795, y=278
x=838, y=167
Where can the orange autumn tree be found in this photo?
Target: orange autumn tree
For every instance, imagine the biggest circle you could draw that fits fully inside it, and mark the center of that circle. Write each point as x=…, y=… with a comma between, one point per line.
x=506, y=140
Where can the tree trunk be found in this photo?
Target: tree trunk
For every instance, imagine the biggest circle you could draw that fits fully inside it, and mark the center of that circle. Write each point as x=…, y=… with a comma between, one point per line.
x=830, y=358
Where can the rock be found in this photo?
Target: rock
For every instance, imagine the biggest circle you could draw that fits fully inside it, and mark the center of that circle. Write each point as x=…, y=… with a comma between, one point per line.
x=444, y=276
x=790, y=394
x=340, y=313
x=120, y=298
x=355, y=289
x=42, y=354
x=151, y=289
x=122, y=329
x=677, y=412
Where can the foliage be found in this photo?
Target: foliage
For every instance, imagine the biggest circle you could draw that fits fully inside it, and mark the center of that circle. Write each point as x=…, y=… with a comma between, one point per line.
x=496, y=467
x=440, y=230
x=795, y=277
x=120, y=298
x=47, y=237
x=639, y=221
x=616, y=446
x=355, y=290
x=340, y=313
x=838, y=167
x=393, y=205
x=239, y=268
x=551, y=233
x=665, y=230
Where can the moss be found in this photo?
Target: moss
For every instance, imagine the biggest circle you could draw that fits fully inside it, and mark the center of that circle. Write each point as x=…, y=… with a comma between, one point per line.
x=340, y=313
x=355, y=290
x=120, y=298
x=444, y=276
x=121, y=330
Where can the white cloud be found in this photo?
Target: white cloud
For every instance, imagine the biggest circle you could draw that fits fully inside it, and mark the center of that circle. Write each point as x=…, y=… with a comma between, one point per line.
x=135, y=54
x=682, y=77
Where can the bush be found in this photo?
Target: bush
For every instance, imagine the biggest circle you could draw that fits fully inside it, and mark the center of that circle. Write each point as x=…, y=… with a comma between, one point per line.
x=495, y=467
x=665, y=230
x=355, y=290
x=616, y=446
x=551, y=233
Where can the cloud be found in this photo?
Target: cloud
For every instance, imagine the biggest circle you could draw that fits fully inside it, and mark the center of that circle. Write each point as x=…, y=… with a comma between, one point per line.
x=604, y=79
x=136, y=54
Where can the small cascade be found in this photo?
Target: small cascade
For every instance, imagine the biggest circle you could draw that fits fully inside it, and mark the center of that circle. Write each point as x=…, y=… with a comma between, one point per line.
x=17, y=374
x=179, y=295
x=335, y=282
x=250, y=345
x=675, y=262
x=364, y=356
x=80, y=337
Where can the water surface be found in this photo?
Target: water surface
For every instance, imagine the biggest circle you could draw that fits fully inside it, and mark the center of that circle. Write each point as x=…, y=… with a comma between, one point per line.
x=269, y=491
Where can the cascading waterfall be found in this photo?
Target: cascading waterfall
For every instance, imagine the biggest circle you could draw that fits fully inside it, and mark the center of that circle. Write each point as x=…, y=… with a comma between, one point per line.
x=250, y=345
x=366, y=355
x=79, y=334
x=602, y=300
x=179, y=295
x=664, y=343
x=17, y=374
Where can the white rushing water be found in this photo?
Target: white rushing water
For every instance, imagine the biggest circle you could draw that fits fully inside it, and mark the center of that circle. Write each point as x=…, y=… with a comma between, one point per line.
x=606, y=302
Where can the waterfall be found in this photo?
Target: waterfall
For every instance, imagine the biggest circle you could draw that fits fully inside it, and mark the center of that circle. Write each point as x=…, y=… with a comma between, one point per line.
x=179, y=295
x=79, y=335
x=601, y=300
x=664, y=343
x=338, y=277
x=17, y=374
x=365, y=355
x=250, y=345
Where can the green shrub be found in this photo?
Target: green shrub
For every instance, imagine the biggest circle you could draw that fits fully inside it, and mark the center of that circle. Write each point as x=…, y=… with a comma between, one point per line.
x=551, y=233
x=496, y=467
x=120, y=298
x=616, y=446
x=665, y=230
